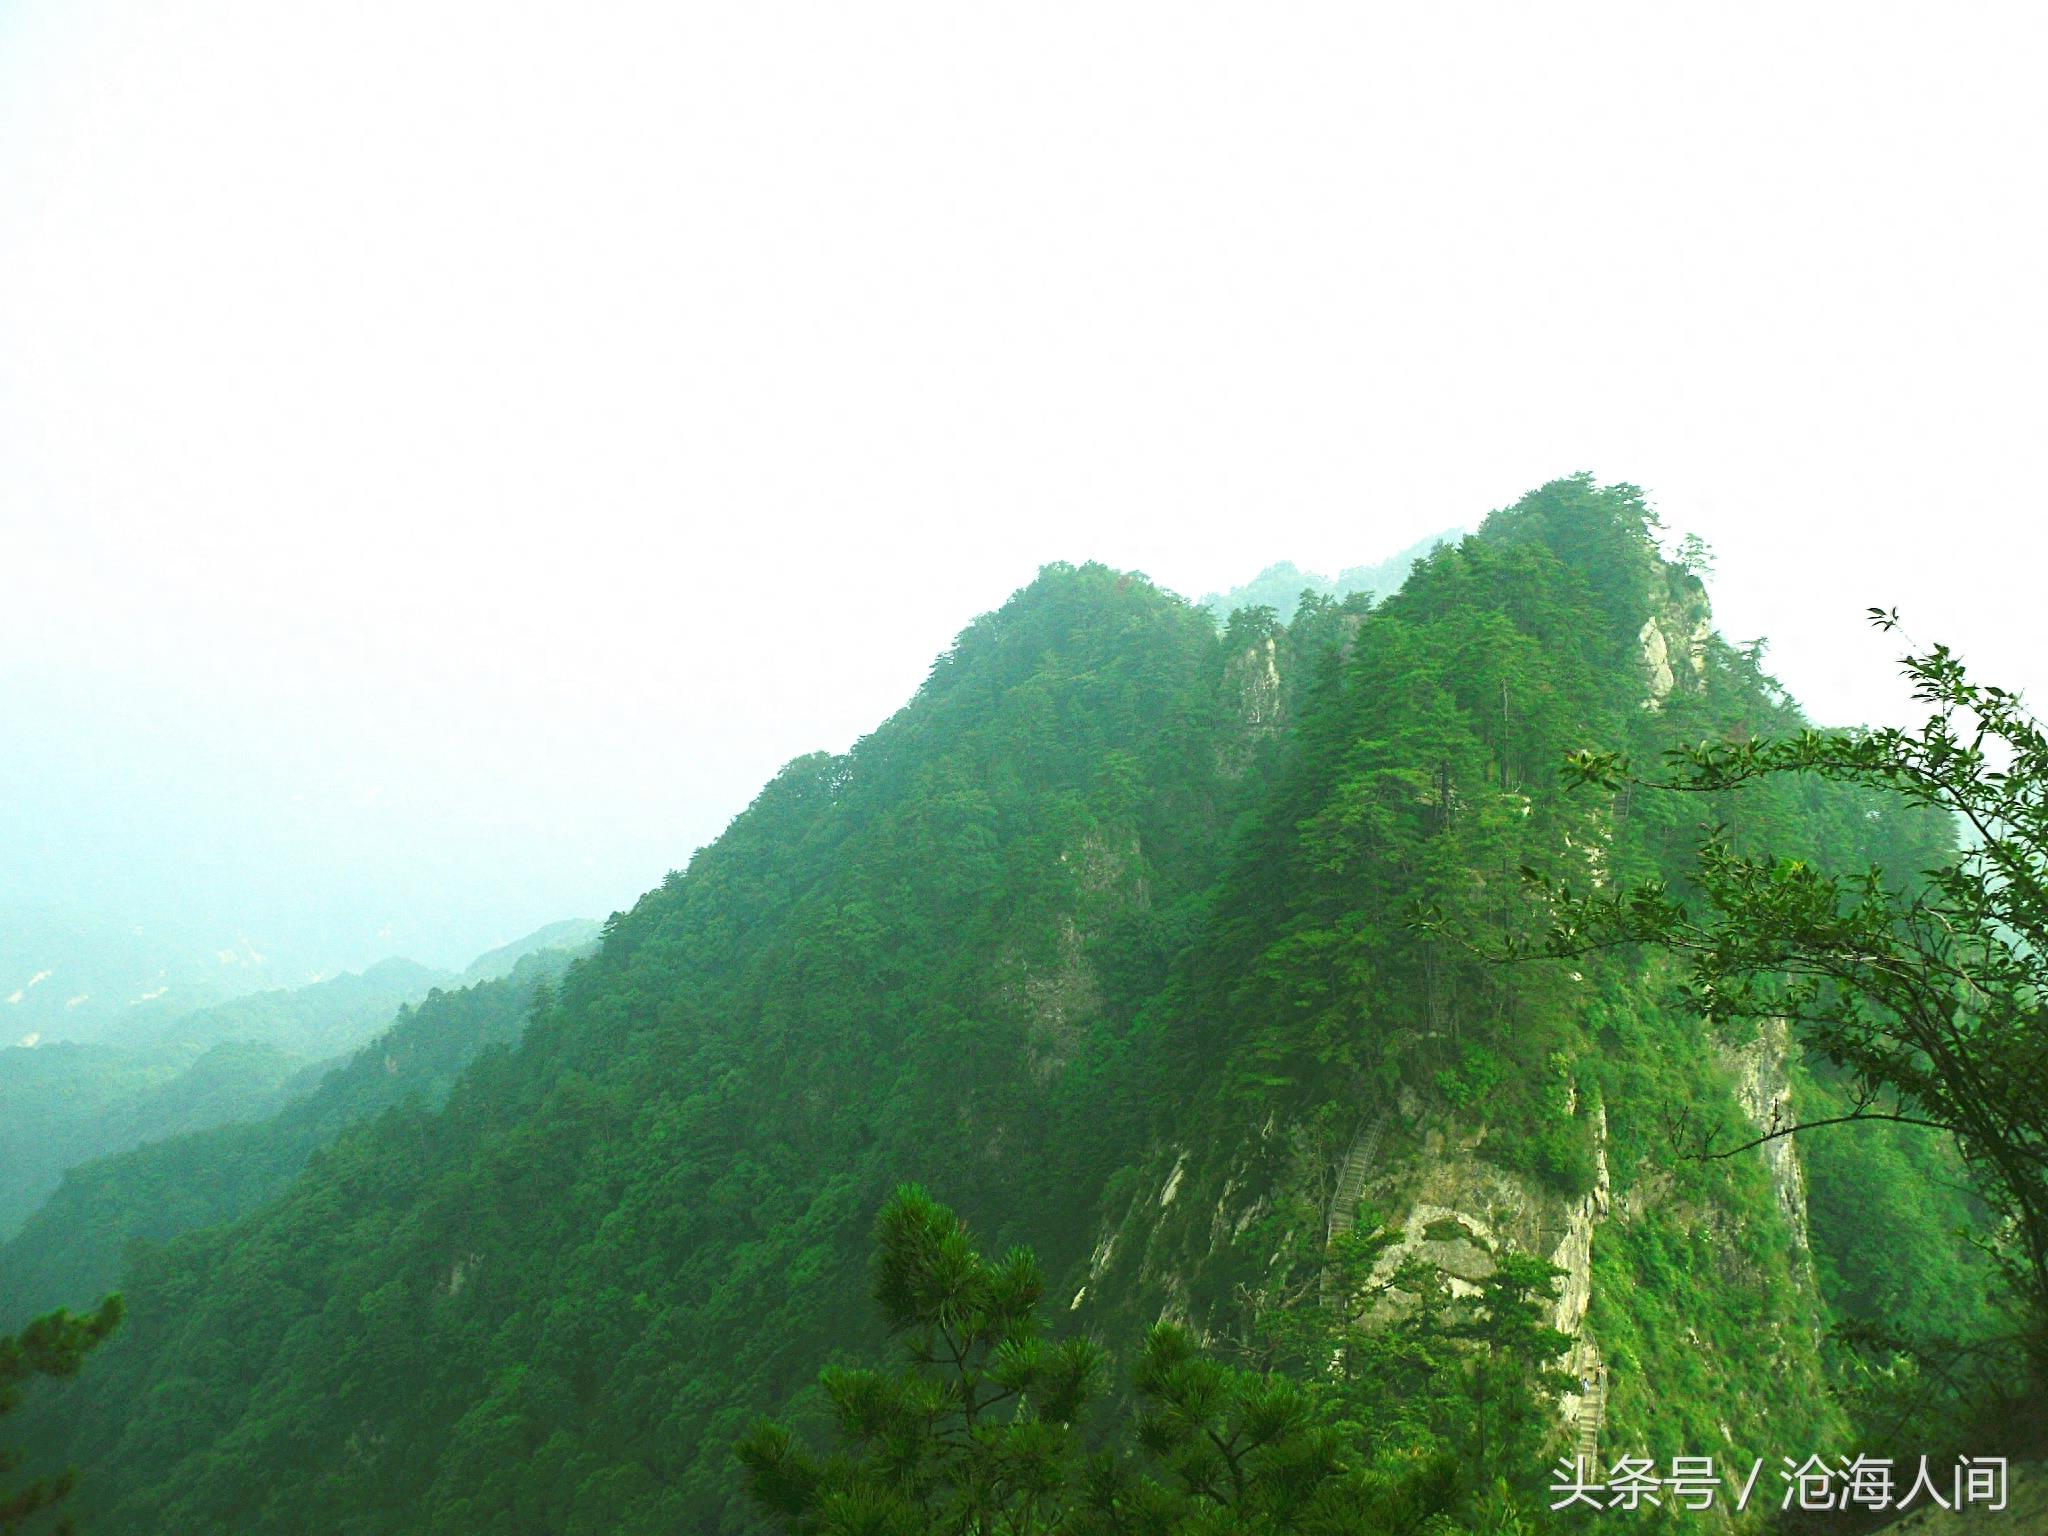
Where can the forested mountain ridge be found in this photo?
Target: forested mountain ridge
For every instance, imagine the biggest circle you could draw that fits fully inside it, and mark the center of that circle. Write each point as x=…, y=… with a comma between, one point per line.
x=691, y=1140
x=1352, y=1070
x=1106, y=938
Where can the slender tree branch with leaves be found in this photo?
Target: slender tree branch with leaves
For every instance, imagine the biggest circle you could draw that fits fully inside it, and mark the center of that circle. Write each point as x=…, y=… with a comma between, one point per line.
x=1931, y=995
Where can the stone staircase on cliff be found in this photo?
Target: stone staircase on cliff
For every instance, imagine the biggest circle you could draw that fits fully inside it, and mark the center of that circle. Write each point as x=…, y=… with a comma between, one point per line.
x=1587, y=1363
x=1351, y=1178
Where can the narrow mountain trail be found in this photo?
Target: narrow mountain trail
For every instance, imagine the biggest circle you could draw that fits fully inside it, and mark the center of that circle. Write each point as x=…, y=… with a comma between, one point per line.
x=1592, y=1406
x=1358, y=1166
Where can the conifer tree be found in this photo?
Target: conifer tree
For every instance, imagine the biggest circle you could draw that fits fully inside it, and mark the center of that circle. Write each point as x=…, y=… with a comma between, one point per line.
x=979, y=1431
x=975, y=1433
x=55, y=1345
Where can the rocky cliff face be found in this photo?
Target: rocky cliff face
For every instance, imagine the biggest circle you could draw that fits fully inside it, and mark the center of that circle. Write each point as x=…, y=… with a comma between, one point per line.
x=1763, y=1087
x=1209, y=1229
x=1256, y=700
x=1674, y=638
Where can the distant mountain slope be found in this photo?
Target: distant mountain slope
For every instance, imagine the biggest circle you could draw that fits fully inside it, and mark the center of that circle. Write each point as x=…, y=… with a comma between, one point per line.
x=572, y=933
x=82, y=976
x=65, y=1103
x=1279, y=587
x=62, y=1104
x=1107, y=937
x=73, y=1245
x=312, y=1022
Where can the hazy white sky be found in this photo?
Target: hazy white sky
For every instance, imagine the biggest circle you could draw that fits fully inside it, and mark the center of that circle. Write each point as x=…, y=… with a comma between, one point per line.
x=451, y=453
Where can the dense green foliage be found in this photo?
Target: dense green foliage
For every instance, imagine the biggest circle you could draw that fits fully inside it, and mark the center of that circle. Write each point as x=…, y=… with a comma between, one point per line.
x=923, y=955
x=55, y=1345
x=980, y=1433
x=976, y=1434
x=1108, y=937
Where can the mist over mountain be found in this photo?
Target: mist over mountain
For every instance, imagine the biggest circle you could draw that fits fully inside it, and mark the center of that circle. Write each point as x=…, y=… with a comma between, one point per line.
x=1301, y=749
x=1106, y=938
x=71, y=975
